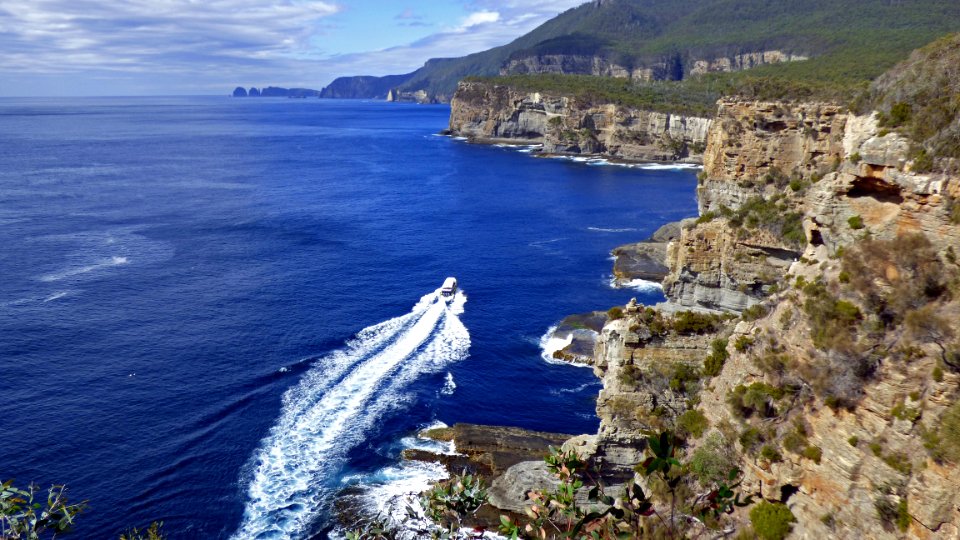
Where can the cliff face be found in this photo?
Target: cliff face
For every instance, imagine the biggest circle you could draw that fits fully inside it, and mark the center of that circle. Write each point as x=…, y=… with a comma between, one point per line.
x=714, y=266
x=667, y=68
x=564, y=125
x=870, y=454
x=750, y=141
x=636, y=368
x=843, y=375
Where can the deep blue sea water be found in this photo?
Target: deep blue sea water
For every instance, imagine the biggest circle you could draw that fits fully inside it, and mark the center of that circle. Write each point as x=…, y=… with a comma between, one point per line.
x=171, y=267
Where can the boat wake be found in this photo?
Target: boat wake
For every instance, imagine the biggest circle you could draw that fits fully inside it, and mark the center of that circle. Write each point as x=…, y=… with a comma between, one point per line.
x=333, y=408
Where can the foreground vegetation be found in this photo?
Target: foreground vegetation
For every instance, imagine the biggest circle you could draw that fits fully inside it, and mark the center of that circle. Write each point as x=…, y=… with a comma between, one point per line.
x=668, y=509
x=35, y=514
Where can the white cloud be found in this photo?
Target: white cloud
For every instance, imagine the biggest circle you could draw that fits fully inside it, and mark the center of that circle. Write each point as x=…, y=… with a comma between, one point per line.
x=183, y=46
x=479, y=17
x=77, y=35
x=491, y=24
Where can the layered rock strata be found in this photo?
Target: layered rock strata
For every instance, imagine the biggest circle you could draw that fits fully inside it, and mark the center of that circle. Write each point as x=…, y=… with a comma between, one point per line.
x=565, y=125
x=667, y=68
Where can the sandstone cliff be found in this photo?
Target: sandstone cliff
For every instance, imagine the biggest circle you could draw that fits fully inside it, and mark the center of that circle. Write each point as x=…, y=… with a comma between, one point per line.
x=668, y=68
x=835, y=387
x=484, y=111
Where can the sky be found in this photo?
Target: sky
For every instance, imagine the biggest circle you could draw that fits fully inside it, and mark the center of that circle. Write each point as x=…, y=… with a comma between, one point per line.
x=193, y=47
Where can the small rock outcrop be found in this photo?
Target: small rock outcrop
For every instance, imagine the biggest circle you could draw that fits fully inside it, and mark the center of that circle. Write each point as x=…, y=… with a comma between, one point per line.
x=239, y=92
x=646, y=260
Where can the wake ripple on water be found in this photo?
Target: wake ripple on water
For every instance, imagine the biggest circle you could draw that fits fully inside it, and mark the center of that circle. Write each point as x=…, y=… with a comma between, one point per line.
x=334, y=406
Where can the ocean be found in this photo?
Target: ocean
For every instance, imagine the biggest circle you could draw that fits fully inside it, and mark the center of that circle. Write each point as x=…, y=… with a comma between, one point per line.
x=218, y=313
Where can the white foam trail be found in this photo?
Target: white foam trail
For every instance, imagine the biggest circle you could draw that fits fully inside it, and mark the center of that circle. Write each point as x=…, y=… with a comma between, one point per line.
x=449, y=386
x=106, y=263
x=604, y=230
x=56, y=296
x=577, y=389
x=334, y=406
x=669, y=166
x=640, y=285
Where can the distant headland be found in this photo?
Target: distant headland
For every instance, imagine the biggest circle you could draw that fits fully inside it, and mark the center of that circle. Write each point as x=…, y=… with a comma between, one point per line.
x=275, y=91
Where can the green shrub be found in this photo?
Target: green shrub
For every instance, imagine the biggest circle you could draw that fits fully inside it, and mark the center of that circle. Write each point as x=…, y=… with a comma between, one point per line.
x=922, y=161
x=742, y=343
x=831, y=320
x=919, y=276
x=749, y=438
x=894, y=514
x=754, y=312
x=713, y=460
x=706, y=217
x=853, y=440
x=758, y=398
x=900, y=411
x=770, y=453
x=855, y=222
x=691, y=322
x=772, y=521
x=954, y=218
x=684, y=378
x=713, y=363
x=794, y=442
x=903, y=516
x=948, y=447
x=898, y=462
x=614, y=313
x=813, y=453
x=937, y=373
x=693, y=423
x=899, y=114
x=154, y=532
x=855, y=158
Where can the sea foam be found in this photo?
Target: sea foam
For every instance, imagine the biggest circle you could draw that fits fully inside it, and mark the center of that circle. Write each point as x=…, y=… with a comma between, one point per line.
x=333, y=408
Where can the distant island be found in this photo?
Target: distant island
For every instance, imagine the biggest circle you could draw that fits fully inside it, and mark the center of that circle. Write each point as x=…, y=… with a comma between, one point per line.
x=275, y=91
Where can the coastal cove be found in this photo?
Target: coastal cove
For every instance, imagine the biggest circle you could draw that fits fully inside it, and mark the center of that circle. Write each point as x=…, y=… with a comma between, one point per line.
x=181, y=263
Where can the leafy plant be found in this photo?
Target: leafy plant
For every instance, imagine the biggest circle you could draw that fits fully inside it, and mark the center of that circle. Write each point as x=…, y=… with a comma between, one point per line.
x=25, y=515
x=556, y=514
x=772, y=521
x=713, y=363
x=451, y=502
x=153, y=532
x=692, y=422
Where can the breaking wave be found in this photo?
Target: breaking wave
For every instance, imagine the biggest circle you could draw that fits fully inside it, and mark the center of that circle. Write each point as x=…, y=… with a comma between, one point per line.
x=606, y=230
x=640, y=285
x=335, y=405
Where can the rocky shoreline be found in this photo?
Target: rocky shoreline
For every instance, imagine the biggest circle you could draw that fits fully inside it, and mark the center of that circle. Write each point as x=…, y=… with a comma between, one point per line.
x=779, y=349
x=482, y=111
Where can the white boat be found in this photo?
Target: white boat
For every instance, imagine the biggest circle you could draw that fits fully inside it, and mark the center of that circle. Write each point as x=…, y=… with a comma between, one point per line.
x=449, y=288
